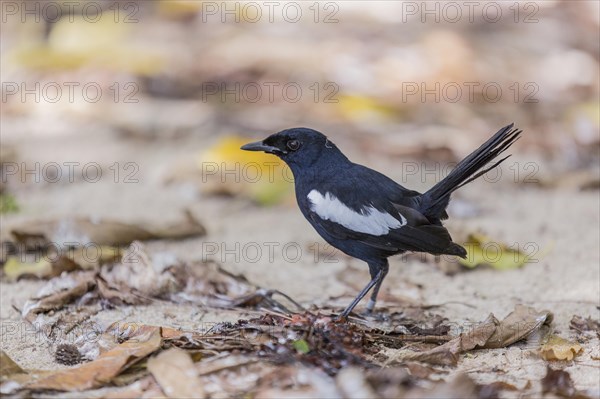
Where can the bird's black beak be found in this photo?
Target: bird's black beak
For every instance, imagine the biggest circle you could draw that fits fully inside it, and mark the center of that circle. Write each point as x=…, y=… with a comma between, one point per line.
x=260, y=146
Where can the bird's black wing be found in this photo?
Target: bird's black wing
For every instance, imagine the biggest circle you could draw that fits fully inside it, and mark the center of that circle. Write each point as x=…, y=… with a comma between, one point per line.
x=364, y=188
x=428, y=238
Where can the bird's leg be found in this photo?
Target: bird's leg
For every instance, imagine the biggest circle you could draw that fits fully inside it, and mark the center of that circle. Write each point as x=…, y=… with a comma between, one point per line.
x=380, y=273
x=373, y=300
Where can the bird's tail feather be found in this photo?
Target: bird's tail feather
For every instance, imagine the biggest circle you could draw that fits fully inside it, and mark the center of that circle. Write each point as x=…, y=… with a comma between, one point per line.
x=435, y=200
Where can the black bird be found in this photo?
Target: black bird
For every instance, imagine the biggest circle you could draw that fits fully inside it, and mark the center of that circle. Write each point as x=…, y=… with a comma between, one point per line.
x=364, y=213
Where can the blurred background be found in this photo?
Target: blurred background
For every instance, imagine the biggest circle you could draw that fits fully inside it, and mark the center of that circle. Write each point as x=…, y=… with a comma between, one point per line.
x=159, y=92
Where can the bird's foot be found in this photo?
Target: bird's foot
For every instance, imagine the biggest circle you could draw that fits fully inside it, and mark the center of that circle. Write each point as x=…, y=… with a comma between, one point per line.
x=370, y=306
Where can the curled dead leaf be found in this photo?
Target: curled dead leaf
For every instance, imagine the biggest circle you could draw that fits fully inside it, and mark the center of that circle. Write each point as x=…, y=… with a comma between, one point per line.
x=518, y=325
x=139, y=275
x=108, y=365
x=491, y=333
x=57, y=294
x=558, y=348
x=85, y=231
x=447, y=354
x=174, y=371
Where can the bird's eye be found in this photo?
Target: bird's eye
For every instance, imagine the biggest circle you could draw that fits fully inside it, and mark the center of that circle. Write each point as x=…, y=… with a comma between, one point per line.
x=293, y=145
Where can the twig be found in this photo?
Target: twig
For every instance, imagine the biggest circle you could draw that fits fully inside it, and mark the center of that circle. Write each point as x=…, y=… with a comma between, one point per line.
x=415, y=338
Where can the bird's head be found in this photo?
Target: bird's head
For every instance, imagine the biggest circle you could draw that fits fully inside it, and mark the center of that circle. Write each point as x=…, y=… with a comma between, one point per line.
x=298, y=147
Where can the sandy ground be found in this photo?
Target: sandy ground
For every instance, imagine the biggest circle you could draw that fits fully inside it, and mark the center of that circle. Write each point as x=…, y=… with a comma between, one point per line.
x=563, y=225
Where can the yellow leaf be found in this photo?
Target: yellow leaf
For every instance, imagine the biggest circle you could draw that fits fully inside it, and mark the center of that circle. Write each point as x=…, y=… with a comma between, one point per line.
x=14, y=268
x=482, y=250
x=76, y=42
x=558, y=348
x=179, y=8
x=359, y=107
x=53, y=264
x=588, y=110
x=262, y=177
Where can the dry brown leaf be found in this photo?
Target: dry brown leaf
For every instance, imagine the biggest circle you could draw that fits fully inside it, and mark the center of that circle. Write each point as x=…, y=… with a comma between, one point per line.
x=492, y=333
x=82, y=231
x=558, y=348
x=396, y=383
x=210, y=280
x=116, y=296
x=101, y=371
x=58, y=293
x=8, y=366
x=588, y=325
x=447, y=354
x=226, y=363
x=174, y=371
x=559, y=382
x=351, y=382
x=492, y=391
x=145, y=387
x=13, y=377
x=390, y=382
x=518, y=325
x=421, y=371
x=53, y=263
x=139, y=273
x=462, y=386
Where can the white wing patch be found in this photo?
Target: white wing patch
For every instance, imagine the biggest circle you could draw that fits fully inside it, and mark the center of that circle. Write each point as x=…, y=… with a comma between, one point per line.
x=368, y=221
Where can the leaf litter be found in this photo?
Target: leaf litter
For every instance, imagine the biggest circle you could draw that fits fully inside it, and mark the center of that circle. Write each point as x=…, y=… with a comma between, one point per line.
x=140, y=279
x=121, y=355
x=79, y=231
x=45, y=249
x=312, y=340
